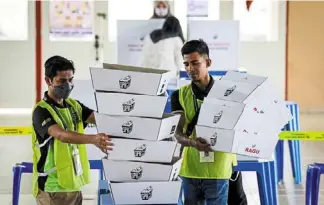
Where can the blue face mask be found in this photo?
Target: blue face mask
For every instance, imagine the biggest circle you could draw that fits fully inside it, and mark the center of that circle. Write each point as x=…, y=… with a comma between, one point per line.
x=63, y=91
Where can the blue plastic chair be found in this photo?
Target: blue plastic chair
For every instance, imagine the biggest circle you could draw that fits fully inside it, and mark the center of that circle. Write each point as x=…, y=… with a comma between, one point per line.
x=294, y=148
x=27, y=167
x=266, y=176
x=313, y=177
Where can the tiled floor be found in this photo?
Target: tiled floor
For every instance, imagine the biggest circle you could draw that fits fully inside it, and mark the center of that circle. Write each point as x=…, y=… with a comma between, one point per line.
x=289, y=193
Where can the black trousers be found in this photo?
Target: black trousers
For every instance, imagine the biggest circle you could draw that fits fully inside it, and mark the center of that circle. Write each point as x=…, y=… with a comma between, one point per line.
x=236, y=194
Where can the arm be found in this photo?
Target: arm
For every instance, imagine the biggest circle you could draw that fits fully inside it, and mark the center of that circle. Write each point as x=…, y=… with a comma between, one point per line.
x=71, y=137
x=176, y=108
x=181, y=137
x=45, y=126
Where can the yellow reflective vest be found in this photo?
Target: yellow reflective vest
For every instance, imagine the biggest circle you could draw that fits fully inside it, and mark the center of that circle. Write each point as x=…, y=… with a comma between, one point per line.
x=59, y=167
x=191, y=167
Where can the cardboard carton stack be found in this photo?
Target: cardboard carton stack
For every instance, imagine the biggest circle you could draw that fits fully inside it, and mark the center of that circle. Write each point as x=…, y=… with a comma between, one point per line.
x=242, y=114
x=130, y=102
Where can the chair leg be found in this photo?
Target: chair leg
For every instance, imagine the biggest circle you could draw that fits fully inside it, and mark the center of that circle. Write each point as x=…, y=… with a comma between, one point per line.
x=312, y=184
x=272, y=181
x=262, y=184
x=298, y=178
x=17, y=170
x=279, y=153
x=292, y=151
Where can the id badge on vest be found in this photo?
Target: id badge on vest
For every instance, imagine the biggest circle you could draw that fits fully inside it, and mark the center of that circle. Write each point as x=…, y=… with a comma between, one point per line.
x=206, y=157
x=77, y=162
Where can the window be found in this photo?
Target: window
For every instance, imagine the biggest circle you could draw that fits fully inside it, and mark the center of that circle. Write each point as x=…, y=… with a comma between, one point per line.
x=260, y=23
x=127, y=10
x=14, y=20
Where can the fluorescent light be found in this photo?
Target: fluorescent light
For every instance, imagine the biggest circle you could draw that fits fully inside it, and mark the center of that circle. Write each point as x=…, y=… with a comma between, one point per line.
x=15, y=111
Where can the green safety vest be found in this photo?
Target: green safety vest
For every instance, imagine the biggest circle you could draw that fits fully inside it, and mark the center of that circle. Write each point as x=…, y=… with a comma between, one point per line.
x=191, y=166
x=59, y=167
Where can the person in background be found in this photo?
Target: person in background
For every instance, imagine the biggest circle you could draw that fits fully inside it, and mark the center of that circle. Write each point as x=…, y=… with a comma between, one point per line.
x=60, y=161
x=205, y=173
x=161, y=10
x=162, y=47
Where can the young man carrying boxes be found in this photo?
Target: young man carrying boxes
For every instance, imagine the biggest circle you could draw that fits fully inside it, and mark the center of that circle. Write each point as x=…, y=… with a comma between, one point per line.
x=205, y=173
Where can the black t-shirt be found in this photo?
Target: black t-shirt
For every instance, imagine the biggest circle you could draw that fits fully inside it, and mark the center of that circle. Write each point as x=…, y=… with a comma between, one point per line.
x=200, y=95
x=42, y=121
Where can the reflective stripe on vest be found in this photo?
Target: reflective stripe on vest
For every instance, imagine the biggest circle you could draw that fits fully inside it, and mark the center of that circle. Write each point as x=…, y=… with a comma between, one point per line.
x=47, y=172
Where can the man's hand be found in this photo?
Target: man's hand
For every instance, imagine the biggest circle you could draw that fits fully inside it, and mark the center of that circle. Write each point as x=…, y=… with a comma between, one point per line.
x=103, y=142
x=201, y=145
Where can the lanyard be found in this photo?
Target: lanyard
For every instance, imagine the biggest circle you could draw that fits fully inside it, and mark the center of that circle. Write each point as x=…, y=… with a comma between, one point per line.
x=194, y=101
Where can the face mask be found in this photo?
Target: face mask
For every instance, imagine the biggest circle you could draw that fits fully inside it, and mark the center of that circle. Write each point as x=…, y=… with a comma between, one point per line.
x=161, y=12
x=63, y=91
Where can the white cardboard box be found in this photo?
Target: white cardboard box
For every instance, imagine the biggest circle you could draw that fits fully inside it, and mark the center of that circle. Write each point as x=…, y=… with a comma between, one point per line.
x=231, y=90
x=143, y=150
x=263, y=93
x=130, y=79
x=138, y=127
x=259, y=145
x=239, y=116
x=130, y=105
x=146, y=192
x=127, y=171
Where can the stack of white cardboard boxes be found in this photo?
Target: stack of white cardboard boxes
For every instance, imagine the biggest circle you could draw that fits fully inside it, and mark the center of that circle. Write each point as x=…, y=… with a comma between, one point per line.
x=130, y=101
x=242, y=114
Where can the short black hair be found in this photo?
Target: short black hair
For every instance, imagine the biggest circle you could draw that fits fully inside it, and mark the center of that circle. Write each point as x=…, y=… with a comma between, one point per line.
x=195, y=46
x=56, y=64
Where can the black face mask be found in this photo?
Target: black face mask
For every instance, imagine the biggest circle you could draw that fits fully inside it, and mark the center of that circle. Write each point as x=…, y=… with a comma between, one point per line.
x=63, y=91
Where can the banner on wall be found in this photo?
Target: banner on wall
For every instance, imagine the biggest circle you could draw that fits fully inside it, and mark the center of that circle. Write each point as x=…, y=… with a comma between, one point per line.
x=197, y=8
x=222, y=38
x=130, y=39
x=71, y=20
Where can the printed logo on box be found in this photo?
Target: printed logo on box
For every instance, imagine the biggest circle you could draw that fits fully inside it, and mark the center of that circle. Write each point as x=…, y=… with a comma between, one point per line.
x=174, y=176
x=253, y=150
x=140, y=151
x=217, y=117
x=248, y=132
x=129, y=105
x=173, y=128
x=229, y=91
x=136, y=173
x=125, y=82
x=258, y=111
x=127, y=127
x=147, y=193
x=162, y=87
x=213, y=139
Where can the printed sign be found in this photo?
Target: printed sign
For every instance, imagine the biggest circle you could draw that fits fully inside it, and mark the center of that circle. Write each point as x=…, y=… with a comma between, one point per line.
x=222, y=38
x=71, y=20
x=130, y=39
x=197, y=8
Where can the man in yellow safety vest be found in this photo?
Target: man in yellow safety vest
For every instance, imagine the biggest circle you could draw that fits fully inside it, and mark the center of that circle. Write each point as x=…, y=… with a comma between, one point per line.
x=205, y=173
x=60, y=162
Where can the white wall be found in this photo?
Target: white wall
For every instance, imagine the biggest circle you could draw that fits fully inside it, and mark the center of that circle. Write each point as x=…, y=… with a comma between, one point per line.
x=17, y=87
x=264, y=58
